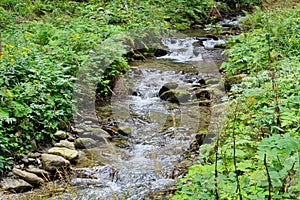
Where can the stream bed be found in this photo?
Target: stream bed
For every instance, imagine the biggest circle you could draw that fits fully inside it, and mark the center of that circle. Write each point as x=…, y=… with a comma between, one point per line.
x=154, y=141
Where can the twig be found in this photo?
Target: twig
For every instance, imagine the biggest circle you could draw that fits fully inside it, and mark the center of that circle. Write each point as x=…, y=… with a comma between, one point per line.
x=216, y=170
x=269, y=178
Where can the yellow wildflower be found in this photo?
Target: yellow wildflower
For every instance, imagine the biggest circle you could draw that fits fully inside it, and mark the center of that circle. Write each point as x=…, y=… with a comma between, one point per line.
x=24, y=53
x=74, y=36
x=12, y=61
x=9, y=94
x=9, y=46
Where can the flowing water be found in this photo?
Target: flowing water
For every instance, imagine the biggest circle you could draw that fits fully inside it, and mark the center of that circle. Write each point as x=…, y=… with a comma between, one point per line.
x=152, y=139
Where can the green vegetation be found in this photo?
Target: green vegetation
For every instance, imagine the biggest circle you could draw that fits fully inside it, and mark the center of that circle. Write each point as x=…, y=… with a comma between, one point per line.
x=43, y=44
x=257, y=154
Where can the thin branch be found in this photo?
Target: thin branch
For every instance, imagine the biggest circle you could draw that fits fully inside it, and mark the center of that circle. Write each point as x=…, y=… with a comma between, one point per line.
x=269, y=177
x=216, y=170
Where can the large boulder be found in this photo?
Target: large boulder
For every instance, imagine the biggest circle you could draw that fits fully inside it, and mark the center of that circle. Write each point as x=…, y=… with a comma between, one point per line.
x=29, y=177
x=53, y=162
x=68, y=154
x=15, y=185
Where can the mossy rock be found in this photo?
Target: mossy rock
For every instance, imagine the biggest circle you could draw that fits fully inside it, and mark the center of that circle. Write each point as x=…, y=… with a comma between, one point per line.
x=176, y=96
x=231, y=80
x=167, y=87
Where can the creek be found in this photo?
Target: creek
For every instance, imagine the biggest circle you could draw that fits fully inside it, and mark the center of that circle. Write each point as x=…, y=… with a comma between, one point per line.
x=154, y=141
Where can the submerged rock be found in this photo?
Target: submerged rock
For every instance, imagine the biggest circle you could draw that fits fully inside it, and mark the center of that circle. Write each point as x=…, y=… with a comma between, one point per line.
x=69, y=154
x=15, y=185
x=83, y=143
x=124, y=130
x=53, y=162
x=202, y=94
x=97, y=134
x=27, y=176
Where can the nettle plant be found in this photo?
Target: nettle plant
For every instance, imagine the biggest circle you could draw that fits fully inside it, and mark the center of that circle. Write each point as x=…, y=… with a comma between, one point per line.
x=35, y=95
x=256, y=156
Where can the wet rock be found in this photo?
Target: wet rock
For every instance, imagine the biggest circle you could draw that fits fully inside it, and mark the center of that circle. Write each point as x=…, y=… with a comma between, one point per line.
x=60, y=135
x=78, y=130
x=202, y=94
x=66, y=144
x=201, y=39
x=229, y=81
x=220, y=46
x=202, y=82
x=82, y=160
x=15, y=185
x=70, y=137
x=34, y=155
x=40, y=172
x=124, y=130
x=97, y=134
x=82, y=143
x=68, y=154
x=212, y=37
x=167, y=87
x=53, y=162
x=212, y=81
x=176, y=96
x=29, y=177
x=198, y=43
x=88, y=122
x=91, y=119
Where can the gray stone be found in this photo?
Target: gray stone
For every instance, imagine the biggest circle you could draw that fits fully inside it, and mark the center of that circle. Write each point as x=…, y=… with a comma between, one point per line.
x=60, y=135
x=212, y=81
x=97, y=134
x=82, y=143
x=68, y=154
x=66, y=144
x=53, y=162
x=34, y=155
x=15, y=185
x=27, y=176
x=82, y=161
x=79, y=130
x=40, y=172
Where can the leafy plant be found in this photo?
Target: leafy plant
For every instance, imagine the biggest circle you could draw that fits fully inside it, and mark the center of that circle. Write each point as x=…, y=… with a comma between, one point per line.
x=256, y=156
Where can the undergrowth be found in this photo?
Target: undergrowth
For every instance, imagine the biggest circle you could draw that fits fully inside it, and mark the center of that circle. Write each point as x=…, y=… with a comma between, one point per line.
x=43, y=45
x=257, y=154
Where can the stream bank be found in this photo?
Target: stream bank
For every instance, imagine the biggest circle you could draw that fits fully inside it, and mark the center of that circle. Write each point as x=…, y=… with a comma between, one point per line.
x=149, y=138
